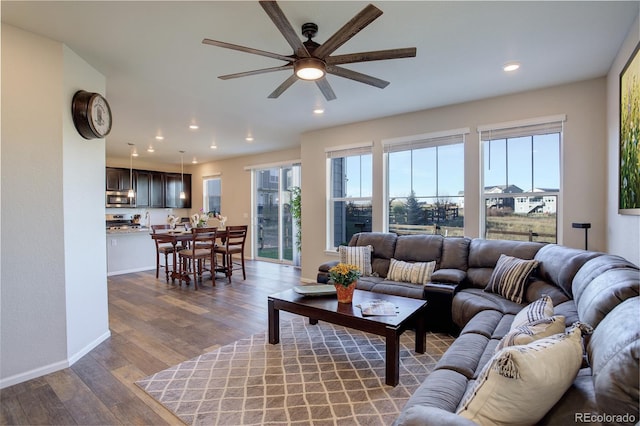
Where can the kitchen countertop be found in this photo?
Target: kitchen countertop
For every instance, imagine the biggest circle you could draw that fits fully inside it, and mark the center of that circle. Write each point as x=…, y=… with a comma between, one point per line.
x=129, y=231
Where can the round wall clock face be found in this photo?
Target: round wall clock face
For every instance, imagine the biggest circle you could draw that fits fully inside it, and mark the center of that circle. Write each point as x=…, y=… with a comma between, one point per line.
x=91, y=114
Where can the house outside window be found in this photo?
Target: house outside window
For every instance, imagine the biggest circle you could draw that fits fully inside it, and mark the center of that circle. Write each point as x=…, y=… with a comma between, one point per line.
x=425, y=183
x=212, y=194
x=350, y=185
x=521, y=181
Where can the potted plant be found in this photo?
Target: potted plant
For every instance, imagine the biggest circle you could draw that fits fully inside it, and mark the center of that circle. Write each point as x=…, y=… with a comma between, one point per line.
x=345, y=277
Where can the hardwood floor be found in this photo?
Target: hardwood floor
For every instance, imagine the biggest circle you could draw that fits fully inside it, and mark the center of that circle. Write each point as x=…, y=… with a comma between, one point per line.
x=154, y=325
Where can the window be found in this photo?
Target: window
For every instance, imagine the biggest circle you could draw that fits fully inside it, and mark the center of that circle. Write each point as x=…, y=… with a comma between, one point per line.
x=212, y=188
x=350, y=189
x=425, y=184
x=521, y=180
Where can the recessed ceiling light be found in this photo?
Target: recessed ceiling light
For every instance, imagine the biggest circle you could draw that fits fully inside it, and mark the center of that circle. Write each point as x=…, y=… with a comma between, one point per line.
x=194, y=161
x=134, y=153
x=249, y=138
x=159, y=137
x=214, y=146
x=150, y=149
x=511, y=66
x=193, y=126
x=318, y=111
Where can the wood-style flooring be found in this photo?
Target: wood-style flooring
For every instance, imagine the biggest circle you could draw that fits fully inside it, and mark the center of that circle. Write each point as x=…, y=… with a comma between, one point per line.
x=154, y=325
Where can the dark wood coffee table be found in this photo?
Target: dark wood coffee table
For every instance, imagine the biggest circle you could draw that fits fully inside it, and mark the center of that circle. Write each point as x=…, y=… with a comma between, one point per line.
x=326, y=308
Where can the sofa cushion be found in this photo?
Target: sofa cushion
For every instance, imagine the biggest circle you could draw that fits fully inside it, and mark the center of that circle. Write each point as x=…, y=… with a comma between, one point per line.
x=537, y=288
x=559, y=264
x=368, y=283
x=614, y=353
x=469, y=301
x=384, y=244
x=521, y=383
x=411, y=272
x=455, y=253
x=596, y=299
x=510, y=276
x=418, y=248
x=464, y=354
x=359, y=256
x=441, y=389
x=534, y=311
x=395, y=288
x=527, y=333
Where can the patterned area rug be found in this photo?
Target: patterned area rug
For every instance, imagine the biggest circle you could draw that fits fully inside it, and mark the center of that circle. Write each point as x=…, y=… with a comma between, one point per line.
x=318, y=374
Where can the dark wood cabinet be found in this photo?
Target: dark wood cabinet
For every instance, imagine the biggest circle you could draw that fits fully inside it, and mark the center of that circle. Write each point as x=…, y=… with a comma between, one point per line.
x=173, y=185
x=118, y=179
x=149, y=188
x=153, y=189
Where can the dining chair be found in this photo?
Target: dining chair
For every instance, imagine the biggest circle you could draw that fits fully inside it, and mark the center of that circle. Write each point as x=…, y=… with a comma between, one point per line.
x=162, y=248
x=193, y=259
x=234, y=242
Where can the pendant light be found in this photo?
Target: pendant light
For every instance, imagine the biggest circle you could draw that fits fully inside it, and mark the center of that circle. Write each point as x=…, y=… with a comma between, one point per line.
x=131, y=193
x=182, y=194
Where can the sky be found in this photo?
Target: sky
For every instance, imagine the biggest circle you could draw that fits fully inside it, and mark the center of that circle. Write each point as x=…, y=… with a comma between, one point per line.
x=440, y=172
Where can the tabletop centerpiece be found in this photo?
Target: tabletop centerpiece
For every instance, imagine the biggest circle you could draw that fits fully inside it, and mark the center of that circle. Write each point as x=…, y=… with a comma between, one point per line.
x=345, y=278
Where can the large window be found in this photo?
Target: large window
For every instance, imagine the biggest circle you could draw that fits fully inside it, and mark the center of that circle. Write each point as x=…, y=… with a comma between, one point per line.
x=425, y=184
x=212, y=193
x=521, y=180
x=350, y=189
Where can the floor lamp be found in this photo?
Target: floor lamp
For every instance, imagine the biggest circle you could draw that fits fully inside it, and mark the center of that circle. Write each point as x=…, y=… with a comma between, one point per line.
x=586, y=227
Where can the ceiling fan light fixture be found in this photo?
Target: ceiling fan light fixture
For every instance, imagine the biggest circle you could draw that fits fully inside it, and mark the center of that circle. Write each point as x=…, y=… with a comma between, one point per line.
x=310, y=69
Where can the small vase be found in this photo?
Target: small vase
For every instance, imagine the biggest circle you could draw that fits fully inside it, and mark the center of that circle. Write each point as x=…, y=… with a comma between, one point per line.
x=345, y=293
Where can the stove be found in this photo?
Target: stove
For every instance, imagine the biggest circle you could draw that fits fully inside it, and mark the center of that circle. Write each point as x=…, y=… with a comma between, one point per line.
x=116, y=222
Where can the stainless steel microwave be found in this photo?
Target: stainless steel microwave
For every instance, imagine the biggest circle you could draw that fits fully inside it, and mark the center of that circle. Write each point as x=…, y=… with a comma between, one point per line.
x=119, y=199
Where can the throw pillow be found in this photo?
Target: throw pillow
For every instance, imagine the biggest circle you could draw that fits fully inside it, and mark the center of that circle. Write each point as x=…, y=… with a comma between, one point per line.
x=415, y=273
x=532, y=331
x=510, y=276
x=359, y=256
x=521, y=383
x=534, y=311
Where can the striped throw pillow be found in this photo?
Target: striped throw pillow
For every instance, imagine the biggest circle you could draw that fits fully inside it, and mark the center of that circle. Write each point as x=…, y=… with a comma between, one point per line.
x=415, y=273
x=535, y=330
x=510, y=276
x=359, y=256
x=534, y=311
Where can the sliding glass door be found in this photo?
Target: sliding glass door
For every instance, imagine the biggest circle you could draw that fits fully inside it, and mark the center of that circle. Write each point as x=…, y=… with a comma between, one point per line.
x=274, y=236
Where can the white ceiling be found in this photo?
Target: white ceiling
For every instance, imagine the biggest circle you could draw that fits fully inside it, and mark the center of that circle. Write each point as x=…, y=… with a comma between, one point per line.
x=160, y=77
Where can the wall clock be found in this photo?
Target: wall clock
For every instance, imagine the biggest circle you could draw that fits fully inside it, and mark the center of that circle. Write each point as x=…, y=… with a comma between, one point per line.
x=91, y=114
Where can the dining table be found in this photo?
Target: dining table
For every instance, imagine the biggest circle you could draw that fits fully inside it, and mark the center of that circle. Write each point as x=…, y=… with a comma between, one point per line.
x=183, y=237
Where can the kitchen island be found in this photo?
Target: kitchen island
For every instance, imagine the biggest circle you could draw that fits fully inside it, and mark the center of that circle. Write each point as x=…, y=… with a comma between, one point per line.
x=130, y=250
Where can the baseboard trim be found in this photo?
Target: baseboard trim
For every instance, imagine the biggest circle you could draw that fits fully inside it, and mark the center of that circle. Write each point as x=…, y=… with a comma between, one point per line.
x=82, y=352
x=53, y=367
x=129, y=271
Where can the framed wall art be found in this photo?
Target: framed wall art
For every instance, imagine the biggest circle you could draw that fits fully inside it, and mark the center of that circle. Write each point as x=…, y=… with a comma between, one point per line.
x=629, y=157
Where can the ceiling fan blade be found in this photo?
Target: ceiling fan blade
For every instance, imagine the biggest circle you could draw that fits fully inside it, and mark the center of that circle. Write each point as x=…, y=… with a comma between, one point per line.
x=325, y=88
x=284, y=86
x=348, y=30
x=247, y=49
x=284, y=26
x=377, y=55
x=357, y=76
x=255, y=72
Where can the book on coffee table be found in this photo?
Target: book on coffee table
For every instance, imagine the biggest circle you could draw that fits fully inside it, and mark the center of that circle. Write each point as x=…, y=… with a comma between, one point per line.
x=378, y=307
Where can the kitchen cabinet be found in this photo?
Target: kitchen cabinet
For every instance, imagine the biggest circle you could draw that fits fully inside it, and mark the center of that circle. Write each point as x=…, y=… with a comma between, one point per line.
x=149, y=189
x=173, y=184
x=118, y=179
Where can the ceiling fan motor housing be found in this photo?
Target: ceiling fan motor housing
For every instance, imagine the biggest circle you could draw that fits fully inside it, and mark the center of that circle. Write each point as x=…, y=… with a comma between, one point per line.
x=309, y=30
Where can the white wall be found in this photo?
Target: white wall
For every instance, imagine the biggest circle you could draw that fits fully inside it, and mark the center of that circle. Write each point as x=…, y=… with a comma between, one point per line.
x=623, y=231
x=53, y=263
x=83, y=166
x=583, y=173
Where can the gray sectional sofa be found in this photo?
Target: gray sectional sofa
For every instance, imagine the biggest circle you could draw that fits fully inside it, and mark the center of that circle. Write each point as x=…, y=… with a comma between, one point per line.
x=595, y=288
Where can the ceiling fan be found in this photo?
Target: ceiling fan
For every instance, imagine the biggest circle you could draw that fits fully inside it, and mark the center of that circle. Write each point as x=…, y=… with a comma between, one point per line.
x=312, y=61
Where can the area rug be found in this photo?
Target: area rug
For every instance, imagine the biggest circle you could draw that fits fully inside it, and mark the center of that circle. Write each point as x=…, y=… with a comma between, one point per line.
x=318, y=374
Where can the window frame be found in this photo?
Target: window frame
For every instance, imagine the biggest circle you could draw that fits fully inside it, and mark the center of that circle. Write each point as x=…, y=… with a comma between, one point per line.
x=528, y=128
x=416, y=142
x=205, y=202
x=344, y=151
